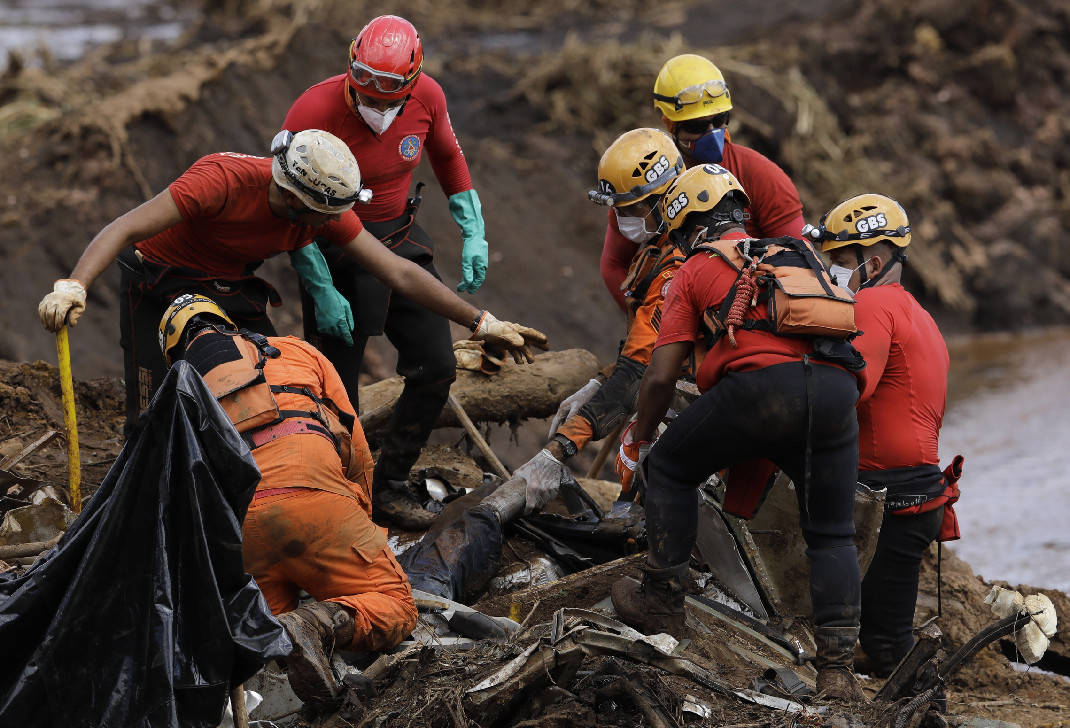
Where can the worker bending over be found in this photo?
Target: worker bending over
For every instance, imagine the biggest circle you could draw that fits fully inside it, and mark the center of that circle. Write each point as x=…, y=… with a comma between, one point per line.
x=693, y=99
x=765, y=395
x=899, y=415
x=217, y=222
x=309, y=524
x=633, y=174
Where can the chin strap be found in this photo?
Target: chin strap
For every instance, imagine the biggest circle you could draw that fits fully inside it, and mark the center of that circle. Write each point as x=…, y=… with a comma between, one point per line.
x=898, y=256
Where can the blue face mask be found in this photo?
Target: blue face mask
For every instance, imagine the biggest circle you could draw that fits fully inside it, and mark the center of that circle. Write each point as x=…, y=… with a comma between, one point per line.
x=709, y=148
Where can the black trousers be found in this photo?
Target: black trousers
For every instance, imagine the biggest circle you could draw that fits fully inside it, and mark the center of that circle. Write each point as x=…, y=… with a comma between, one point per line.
x=890, y=589
x=146, y=290
x=422, y=339
x=766, y=414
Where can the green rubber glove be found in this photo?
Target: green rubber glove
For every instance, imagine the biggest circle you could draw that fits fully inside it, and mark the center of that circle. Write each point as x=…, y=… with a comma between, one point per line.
x=467, y=212
x=334, y=316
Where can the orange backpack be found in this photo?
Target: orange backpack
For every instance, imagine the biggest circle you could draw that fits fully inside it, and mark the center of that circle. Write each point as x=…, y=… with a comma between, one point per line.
x=788, y=274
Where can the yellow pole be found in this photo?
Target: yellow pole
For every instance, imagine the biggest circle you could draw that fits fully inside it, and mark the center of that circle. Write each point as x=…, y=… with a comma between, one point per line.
x=66, y=383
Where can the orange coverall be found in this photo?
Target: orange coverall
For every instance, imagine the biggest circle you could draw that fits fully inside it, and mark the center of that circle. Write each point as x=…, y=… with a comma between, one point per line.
x=646, y=284
x=310, y=528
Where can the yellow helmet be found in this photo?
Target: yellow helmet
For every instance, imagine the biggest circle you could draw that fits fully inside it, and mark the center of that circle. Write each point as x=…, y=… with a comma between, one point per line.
x=179, y=314
x=690, y=87
x=639, y=163
x=701, y=189
x=862, y=220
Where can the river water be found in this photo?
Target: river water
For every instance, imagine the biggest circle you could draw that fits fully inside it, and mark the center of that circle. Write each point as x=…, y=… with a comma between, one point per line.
x=67, y=29
x=1009, y=415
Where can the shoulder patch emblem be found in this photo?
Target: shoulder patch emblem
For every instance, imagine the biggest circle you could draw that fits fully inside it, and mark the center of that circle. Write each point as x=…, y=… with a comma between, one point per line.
x=409, y=147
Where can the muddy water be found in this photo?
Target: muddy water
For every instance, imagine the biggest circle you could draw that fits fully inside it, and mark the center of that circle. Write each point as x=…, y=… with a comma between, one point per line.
x=66, y=29
x=1009, y=415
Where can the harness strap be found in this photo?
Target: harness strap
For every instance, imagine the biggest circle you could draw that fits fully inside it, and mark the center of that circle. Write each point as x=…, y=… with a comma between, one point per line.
x=288, y=426
x=344, y=417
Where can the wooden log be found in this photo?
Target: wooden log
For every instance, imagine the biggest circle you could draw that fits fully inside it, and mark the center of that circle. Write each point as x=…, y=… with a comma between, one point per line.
x=515, y=393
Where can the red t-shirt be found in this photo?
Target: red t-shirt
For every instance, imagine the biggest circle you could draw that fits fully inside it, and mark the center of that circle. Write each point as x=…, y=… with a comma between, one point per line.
x=704, y=280
x=775, y=210
x=388, y=161
x=226, y=221
x=902, y=405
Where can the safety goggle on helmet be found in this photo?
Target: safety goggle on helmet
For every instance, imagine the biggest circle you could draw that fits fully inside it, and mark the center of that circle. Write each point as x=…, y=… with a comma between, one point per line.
x=319, y=168
x=639, y=163
x=690, y=87
x=385, y=58
x=861, y=220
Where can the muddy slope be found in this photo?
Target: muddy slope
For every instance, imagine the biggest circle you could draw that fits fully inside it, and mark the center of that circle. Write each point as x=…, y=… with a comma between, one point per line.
x=954, y=107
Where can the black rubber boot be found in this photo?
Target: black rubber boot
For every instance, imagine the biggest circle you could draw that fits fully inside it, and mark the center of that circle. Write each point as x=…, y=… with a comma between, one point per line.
x=835, y=663
x=315, y=630
x=396, y=502
x=657, y=604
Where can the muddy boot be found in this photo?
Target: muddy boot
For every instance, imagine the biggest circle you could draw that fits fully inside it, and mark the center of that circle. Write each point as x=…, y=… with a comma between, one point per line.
x=655, y=605
x=396, y=502
x=835, y=662
x=315, y=630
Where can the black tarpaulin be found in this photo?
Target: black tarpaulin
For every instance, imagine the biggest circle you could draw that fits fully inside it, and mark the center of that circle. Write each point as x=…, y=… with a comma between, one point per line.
x=143, y=614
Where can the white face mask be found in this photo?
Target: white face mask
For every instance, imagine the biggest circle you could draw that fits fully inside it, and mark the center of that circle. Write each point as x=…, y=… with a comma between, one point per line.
x=379, y=121
x=634, y=228
x=842, y=276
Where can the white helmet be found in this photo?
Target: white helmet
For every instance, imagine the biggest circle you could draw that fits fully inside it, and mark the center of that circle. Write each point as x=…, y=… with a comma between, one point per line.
x=318, y=167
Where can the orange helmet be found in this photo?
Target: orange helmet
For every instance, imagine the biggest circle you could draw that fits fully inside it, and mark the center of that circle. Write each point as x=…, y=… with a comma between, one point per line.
x=385, y=58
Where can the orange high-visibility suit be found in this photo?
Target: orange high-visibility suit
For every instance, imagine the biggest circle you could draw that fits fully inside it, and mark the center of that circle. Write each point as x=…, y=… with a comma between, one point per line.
x=308, y=526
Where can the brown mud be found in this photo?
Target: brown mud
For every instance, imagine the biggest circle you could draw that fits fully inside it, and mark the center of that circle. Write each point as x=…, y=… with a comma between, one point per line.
x=955, y=108
x=987, y=685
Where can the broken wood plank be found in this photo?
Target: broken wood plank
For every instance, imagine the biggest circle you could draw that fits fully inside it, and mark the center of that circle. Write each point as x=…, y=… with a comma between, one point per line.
x=515, y=393
x=14, y=460
x=32, y=548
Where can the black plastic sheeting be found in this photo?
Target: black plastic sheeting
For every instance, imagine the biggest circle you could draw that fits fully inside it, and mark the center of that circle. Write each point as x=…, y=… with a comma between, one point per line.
x=143, y=615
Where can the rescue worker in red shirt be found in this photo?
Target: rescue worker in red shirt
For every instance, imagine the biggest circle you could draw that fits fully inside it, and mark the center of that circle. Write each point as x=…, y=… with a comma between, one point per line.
x=389, y=113
x=216, y=223
x=899, y=414
x=764, y=396
x=309, y=524
x=695, y=105
x=634, y=172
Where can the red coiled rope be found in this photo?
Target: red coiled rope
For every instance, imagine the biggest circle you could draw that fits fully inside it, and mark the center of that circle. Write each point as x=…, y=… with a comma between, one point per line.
x=746, y=288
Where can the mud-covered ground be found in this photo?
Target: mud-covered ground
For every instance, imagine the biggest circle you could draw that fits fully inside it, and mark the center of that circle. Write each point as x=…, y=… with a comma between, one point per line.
x=956, y=108
x=988, y=685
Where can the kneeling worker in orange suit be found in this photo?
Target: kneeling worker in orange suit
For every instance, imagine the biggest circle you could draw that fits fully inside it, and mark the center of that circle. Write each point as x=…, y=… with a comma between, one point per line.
x=309, y=524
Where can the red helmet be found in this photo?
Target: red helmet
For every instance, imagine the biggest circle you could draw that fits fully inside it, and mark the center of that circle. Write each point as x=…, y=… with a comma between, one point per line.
x=385, y=58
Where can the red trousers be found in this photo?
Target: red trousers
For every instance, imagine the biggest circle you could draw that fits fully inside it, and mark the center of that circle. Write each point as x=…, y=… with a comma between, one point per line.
x=327, y=545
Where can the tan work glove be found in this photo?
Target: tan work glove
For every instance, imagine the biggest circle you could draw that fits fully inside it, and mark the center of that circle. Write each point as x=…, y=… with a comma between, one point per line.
x=471, y=355
x=505, y=336
x=63, y=306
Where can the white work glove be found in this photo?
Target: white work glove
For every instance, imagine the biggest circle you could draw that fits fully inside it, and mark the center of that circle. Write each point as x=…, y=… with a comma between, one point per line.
x=506, y=336
x=63, y=306
x=542, y=475
x=571, y=404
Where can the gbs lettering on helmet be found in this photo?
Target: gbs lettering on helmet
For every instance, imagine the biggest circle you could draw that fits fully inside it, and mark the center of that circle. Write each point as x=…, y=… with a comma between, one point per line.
x=679, y=203
x=872, y=222
x=659, y=168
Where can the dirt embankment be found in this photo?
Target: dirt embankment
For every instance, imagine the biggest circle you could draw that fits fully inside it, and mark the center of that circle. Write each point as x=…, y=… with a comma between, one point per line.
x=953, y=107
